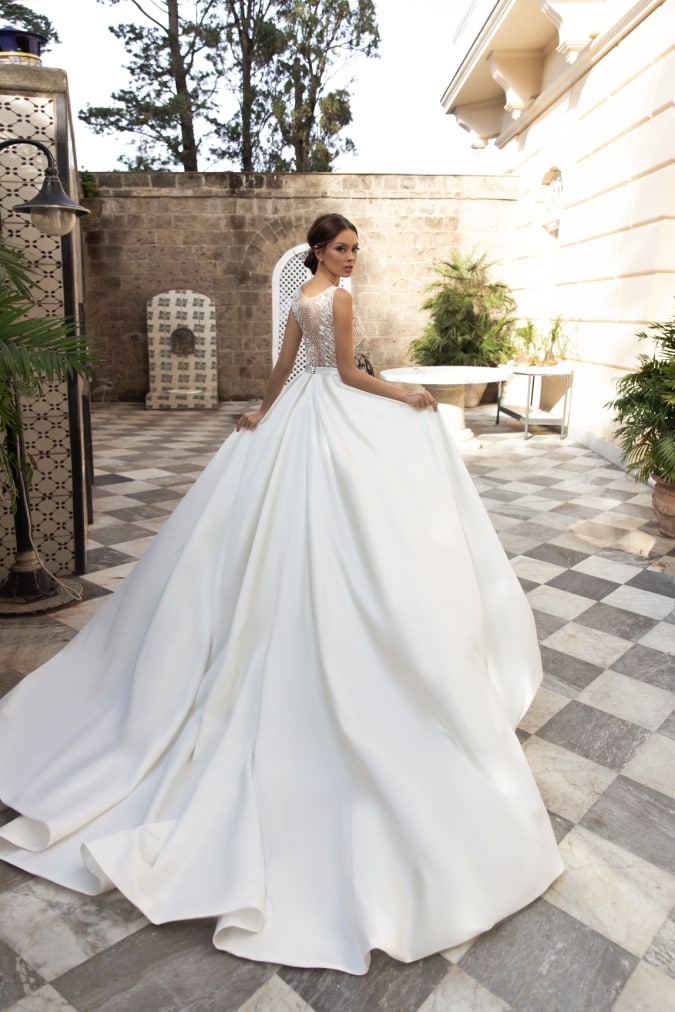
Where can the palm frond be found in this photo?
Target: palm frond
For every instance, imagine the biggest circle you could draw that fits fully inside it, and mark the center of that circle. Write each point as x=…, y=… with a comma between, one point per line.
x=15, y=272
x=645, y=408
x=34, y=351
x=472, y=319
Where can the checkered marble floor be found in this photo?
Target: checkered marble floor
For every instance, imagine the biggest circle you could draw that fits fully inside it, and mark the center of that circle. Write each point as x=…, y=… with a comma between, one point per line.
x=600, y=738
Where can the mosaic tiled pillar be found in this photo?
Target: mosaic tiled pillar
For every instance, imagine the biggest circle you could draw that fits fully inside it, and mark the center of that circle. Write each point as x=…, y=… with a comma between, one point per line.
x=182, y=351
x=34, y=104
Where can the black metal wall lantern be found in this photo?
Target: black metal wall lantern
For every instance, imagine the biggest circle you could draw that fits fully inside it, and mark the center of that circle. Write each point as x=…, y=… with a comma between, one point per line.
x=51, y=211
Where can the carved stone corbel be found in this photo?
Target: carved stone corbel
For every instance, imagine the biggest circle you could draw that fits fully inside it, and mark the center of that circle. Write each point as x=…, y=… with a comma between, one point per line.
x=577, y=22
x=483, y=120
x=519, y=74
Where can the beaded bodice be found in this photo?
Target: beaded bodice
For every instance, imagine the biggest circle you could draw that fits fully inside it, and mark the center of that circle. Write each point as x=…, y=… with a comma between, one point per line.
x=314, y=314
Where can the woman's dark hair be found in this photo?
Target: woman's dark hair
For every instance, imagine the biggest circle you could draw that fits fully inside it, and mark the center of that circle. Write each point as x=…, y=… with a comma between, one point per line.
x=325, y=228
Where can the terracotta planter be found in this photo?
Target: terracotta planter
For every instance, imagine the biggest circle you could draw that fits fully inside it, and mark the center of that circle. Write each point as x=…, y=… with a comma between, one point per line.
x=663, y=501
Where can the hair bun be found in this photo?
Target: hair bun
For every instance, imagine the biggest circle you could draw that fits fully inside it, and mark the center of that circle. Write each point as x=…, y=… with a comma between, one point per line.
x=311, y=261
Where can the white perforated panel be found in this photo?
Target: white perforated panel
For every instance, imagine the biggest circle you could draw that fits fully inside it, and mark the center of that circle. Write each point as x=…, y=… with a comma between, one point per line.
x=289, y=273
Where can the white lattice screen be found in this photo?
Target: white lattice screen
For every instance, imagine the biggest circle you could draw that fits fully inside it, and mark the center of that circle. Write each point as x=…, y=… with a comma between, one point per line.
x=289, y=273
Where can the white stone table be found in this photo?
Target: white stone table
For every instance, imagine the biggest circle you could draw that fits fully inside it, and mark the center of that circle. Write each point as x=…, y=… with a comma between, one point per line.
x=446, y=383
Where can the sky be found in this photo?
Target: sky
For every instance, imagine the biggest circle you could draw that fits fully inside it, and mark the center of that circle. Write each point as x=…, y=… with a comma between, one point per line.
x=398, y=126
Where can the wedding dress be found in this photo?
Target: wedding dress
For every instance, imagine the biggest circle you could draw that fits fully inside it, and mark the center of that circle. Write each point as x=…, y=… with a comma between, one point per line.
x=296, y=715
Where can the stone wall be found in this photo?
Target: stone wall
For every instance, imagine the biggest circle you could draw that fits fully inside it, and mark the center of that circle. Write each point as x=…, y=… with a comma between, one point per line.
x=222, y=234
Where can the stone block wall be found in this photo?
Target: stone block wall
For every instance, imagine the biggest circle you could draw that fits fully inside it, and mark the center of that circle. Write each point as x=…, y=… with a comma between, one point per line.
x=222, y=234
x=597, y=161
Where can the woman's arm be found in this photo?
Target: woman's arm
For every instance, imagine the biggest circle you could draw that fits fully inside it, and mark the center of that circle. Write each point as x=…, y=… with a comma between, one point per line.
x=282, y=370
x=350, y=374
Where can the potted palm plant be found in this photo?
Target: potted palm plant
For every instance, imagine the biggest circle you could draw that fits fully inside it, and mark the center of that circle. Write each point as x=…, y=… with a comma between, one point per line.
x=645, y=411
x=34, y=351
x=526, y=341
x=544, y=343
x=472, y=321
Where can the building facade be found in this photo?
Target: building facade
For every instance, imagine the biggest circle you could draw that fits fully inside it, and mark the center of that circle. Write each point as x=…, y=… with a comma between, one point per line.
x=577, y=97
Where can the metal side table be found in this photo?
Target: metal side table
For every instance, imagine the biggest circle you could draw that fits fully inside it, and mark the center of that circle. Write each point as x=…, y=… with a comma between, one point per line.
x=532, y=415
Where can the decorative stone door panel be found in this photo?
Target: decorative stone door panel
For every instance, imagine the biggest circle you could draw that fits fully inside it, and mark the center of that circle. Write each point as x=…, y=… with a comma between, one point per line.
x=182, y=351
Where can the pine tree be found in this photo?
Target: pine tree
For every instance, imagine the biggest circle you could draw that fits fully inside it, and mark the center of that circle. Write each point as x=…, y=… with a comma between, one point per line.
x=20, y=16
x=321, y=35
x=272, y=59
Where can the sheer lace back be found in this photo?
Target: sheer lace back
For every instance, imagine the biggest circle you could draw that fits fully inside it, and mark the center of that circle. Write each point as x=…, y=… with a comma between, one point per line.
x=314, y=314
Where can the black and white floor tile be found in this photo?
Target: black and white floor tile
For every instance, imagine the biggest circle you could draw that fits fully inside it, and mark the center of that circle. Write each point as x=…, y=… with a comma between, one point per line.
x=600, y=739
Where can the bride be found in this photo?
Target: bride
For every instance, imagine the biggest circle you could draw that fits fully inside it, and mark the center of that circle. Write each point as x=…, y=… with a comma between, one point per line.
x=296, y=717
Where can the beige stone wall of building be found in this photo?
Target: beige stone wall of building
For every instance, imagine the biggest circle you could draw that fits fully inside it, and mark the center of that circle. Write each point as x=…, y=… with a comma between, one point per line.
x=582, y=113
x=611, y=264
x=222, y=234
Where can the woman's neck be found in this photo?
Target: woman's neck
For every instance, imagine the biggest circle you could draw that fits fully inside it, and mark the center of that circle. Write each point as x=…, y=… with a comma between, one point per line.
x=326, y=275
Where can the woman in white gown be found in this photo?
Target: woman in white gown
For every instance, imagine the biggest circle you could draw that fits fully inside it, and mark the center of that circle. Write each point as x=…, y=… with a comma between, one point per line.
x=297, y=714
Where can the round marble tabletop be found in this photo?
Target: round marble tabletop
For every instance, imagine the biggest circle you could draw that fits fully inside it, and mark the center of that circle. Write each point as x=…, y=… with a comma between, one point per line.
x=447, y=375
x=447, y=383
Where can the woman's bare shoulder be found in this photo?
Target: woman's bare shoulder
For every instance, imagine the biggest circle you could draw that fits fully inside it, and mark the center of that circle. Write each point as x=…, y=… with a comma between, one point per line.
x=342, y=297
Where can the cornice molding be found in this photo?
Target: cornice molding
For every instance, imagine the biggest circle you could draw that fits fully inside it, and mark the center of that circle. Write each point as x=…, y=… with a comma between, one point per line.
x=515, y=73
x=477, y=50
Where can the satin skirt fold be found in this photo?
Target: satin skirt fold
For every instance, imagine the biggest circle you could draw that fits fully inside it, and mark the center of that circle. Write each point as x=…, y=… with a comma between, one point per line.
x=297, y=714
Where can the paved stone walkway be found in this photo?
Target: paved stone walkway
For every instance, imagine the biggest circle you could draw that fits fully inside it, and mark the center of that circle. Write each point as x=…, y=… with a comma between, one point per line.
x=599, y=738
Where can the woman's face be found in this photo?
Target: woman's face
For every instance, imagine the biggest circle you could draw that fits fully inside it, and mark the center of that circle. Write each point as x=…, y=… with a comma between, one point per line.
x=339, y=255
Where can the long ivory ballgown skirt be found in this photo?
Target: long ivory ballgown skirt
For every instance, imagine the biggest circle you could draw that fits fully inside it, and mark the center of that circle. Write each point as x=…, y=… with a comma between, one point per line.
x=296, y=715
